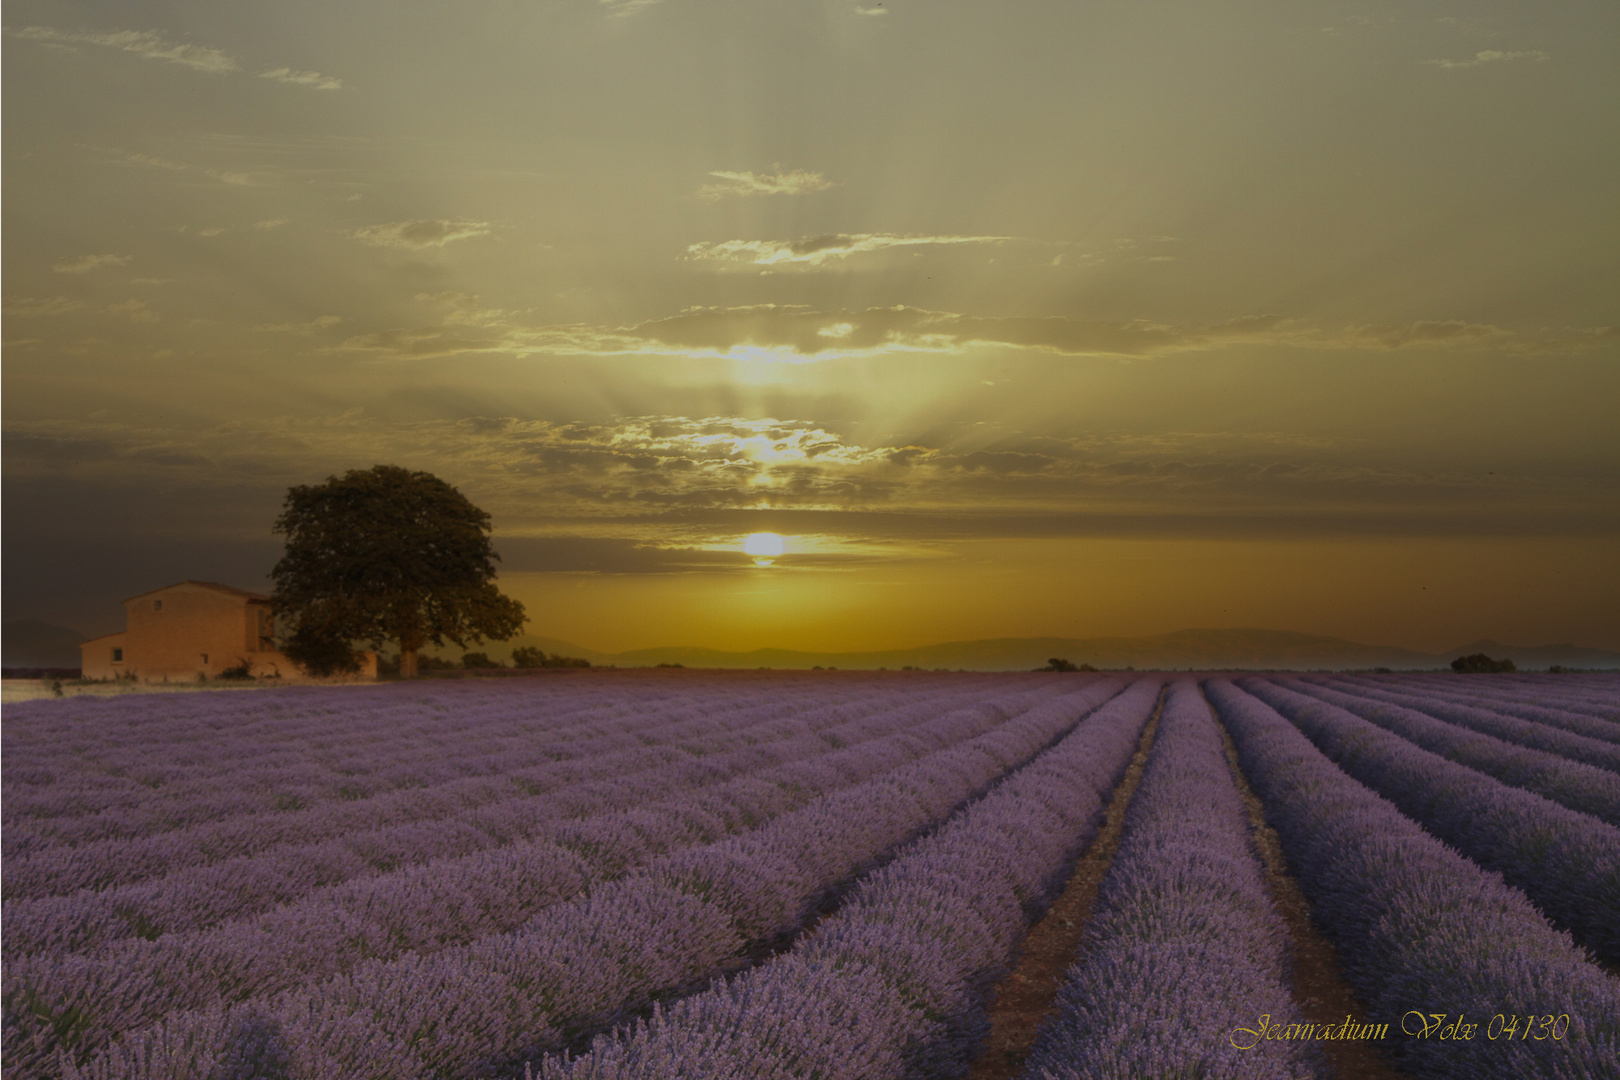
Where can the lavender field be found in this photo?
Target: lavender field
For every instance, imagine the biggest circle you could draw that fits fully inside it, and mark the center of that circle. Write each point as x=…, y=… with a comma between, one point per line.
x=803, y=874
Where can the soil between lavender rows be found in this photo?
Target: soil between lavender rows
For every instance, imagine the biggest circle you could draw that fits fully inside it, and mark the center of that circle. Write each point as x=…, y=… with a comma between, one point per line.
x=1024, y=999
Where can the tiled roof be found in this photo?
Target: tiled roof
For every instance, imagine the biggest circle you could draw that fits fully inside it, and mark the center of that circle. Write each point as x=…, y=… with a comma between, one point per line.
x=103, y=637
x=216, y=586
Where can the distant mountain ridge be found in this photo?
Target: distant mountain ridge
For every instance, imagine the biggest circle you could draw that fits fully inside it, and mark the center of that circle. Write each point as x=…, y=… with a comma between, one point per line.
x=1543, y=655
x=29, y=643
x=1253, y=649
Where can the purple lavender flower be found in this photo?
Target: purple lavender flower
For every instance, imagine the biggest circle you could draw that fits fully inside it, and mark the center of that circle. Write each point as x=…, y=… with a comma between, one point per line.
x=1418, y=926
x=678, y=919
x=892, y=984
x=1567, y=862
x=1184, y=945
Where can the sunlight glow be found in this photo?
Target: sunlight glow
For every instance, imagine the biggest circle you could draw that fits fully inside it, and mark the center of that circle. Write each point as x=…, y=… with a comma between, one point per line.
x=769, y=354
x=766, y=548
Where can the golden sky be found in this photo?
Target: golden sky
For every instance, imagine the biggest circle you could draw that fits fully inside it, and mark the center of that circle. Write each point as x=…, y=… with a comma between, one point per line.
x=1015, y=319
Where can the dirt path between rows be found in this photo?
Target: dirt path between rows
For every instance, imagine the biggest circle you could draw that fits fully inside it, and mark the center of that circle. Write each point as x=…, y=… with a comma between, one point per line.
x=1025, y=997
x=1319, y=989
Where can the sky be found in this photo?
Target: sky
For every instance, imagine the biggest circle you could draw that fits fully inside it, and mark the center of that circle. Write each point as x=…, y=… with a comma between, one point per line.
x=1020, y=319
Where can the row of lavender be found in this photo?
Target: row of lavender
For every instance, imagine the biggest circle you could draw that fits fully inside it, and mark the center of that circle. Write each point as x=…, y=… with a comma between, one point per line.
x=73, y=780
x=1587, y=707
x=438, y=1023
x=574, y=964
x=1183, y=945
x=1601, y=749
x=1167, y=959
x=1566, y=861
x=210, y=755
x=1597, y=694
x=892, y=984
x=1574, y=776
x=1419, y=926
x=1470, y=708
x=447, y=902
x=777, y=764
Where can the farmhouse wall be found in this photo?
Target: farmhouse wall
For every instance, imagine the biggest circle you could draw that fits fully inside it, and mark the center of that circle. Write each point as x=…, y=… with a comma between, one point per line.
x=103, y=657
x=194, y=628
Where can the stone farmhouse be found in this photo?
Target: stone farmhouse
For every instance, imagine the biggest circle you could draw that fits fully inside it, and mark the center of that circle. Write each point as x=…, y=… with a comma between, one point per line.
x=192, y=629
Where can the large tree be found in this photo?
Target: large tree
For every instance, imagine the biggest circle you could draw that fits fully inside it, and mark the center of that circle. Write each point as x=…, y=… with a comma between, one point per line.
x=385, y=554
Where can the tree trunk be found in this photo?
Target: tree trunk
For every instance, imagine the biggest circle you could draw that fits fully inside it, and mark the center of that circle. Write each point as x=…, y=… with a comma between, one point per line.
x=411, y=639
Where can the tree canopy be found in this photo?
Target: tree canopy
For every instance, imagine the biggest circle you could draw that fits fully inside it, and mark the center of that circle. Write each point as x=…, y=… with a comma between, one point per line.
x=527, y=656
x=1058, y=663
x=385, y=554
x=1479, y=663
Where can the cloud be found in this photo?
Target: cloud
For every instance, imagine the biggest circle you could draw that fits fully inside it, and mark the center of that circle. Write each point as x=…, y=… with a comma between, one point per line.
x=271, y=223
x=809, y=333
x=1564, y=341
x=436, y=342
x=135, y=309
x=152, y=161
x=1493, y=56
x=464, y=309
x=1593, y=333
x=1450, y=332
x=684, y=482
x=155, y=162
x=791, y=333
x=322, y=322
x=872, y=11
x=142, y=43
x=26, y=306
x=743, y=184
x=606, y=555
x=417, y=235
x=83, y=264
x=623, y=9
x=816, y=250
x=154, y=46
x=303, y=78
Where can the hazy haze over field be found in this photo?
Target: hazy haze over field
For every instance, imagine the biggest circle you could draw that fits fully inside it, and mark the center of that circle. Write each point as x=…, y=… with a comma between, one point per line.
x=1015, y=319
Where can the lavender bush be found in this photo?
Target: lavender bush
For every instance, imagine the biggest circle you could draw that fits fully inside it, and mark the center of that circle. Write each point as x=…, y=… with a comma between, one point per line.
x=424, y=909
x=575, y=964
x=1586, y=788
x=1565, y=861
x=1593, y=693
x=165, y=761
x=892, y=984
x=1584, y=717
x=1183, y=944
x=447, y=880
x=694, y=797
x=1419, y=927
x=393, y=766
x=1531, y=733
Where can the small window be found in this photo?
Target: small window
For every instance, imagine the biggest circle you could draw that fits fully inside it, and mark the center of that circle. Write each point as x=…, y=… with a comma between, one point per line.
x=205, y=658
x=157, y=605
x=118, y=656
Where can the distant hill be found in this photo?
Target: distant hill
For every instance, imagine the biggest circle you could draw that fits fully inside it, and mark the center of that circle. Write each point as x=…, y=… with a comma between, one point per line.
x=502, y=650
x=29, y=643
x=1529, y=658
x=1206, y=649
x=1209, y=650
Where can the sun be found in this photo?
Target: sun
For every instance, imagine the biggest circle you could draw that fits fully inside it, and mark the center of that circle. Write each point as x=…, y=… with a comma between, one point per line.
x=764, y=547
